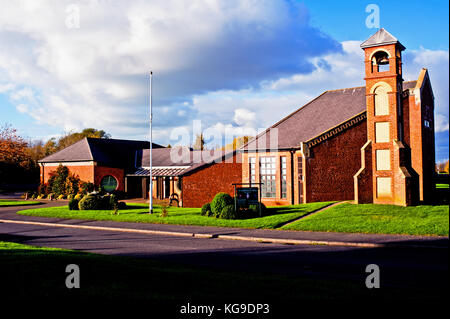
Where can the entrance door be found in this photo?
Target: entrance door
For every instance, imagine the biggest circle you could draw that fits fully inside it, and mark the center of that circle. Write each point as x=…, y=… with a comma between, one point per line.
x=166, y=187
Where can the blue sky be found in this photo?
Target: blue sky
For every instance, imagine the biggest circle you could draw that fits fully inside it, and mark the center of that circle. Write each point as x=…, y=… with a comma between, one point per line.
x=237, y=66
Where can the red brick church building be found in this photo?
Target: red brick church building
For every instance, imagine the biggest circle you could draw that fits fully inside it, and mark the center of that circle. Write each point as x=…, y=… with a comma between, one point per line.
x=370, y=144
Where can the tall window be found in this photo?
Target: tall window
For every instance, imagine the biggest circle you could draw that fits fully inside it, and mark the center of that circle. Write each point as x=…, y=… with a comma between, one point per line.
x=283, y=177
x=252, y=168
x=267, y=174
x=300, y=179
x=381, y=101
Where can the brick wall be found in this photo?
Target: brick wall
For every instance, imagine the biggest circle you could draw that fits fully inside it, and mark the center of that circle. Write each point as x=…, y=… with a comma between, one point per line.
x=85, y=172
x=332, y=165
x=88, y=173
x=200, y=187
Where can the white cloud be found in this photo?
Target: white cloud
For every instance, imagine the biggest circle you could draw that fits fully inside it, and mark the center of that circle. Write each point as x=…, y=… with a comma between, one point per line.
x=441, y=123
x=95, y=75
x=243, y=116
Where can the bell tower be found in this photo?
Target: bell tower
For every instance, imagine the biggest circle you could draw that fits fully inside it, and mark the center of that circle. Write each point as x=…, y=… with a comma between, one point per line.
x=391, y=177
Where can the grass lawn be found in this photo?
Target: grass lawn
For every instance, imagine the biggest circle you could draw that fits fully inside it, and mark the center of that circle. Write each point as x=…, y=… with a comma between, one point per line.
x=382, y=219
x=33, y=273
x=181, y=216
x=11, y=202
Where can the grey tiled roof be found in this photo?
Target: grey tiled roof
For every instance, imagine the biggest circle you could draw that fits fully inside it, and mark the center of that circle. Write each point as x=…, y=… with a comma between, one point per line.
x=326, y=111
x=108, y=152
x=381, y=37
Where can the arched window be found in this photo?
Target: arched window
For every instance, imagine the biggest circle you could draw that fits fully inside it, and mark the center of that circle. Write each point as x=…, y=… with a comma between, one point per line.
x=381, y=101
x=109, y=183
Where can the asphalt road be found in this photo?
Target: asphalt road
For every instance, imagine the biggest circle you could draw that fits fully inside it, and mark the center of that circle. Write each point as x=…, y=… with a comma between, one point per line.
x=399, y=267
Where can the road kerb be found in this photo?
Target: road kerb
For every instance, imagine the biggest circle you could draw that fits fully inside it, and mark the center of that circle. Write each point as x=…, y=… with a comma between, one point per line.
x=225, y=237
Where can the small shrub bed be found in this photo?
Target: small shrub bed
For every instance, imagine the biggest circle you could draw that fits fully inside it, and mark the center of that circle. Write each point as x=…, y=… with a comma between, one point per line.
x=96, y=202
x=206, y=210
x=219, y=202
x=228, y=212
x=73, y=204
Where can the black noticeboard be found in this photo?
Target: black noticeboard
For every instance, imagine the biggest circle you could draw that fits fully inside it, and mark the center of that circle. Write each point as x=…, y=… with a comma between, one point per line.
x=246, y=196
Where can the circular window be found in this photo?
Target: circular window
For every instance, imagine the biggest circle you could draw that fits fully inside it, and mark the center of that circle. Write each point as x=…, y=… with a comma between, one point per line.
x=109, y=183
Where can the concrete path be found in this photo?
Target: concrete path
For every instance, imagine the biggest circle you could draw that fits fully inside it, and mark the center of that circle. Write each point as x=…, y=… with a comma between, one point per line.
x=8, y=216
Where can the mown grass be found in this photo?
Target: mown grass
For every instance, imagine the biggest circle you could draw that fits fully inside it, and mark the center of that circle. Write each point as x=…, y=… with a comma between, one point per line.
x=138, y=213
x=34, y=273
x=378, y=219
x=11, y=202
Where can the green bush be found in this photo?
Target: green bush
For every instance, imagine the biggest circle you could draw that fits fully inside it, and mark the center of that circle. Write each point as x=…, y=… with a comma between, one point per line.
x=73, y=204
x=78, y=197
x=219, y=202
x=228, y=212
x=59, y=183
x=61, y=197
x=98, y=202
x=69, y=197
x=122, y=205
x=90, y=202
x=206, y=209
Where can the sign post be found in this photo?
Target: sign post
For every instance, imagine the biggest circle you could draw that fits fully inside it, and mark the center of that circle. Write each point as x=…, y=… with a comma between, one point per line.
x=246, y=196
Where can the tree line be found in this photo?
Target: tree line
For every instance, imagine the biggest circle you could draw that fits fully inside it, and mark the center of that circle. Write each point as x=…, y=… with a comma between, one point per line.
x=19, y=157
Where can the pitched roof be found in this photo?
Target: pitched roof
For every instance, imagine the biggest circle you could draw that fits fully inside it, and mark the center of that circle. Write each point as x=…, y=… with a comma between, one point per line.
x=108, y=152
x=381, y=37
x=326, y=111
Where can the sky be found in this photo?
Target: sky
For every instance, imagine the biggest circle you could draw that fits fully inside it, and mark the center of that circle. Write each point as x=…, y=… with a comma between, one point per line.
x=235, y=66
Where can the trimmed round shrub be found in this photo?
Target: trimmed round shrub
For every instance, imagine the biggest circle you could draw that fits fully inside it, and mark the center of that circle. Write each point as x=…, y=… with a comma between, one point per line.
x=219, y=202
x=122, y=205
x=228, y=212
x=90, y=202
x=206, y=209
x=62, y=196
x=69, y=197
x=73, y=204
x=78, y=196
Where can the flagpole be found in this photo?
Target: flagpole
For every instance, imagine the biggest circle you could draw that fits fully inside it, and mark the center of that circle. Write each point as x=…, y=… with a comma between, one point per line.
x=150, y=202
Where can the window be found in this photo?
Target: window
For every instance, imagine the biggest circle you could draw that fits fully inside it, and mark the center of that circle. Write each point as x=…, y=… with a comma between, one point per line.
x=300, y=179
x=383, y=160
x=384, y=187
x=382, y=132
x=267, y=173
x=381, y=101
x=283, y=177
x=252, y=168
x=109, y=183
